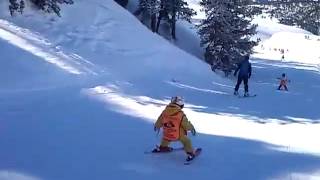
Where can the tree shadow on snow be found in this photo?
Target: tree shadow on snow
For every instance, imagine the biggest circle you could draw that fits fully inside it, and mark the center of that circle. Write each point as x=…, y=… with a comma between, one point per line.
x=79, y=138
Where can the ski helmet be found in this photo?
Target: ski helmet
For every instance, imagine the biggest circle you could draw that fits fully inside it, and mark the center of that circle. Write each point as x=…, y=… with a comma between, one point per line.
x=178, y=101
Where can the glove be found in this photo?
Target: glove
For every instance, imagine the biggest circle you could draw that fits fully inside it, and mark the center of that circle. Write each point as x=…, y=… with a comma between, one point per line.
x=193, y=132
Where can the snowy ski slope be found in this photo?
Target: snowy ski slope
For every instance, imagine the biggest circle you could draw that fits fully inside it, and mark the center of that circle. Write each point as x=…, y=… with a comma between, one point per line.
x=79, y=94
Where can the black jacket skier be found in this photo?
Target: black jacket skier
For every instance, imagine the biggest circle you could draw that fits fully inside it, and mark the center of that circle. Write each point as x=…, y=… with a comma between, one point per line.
x=244, y=69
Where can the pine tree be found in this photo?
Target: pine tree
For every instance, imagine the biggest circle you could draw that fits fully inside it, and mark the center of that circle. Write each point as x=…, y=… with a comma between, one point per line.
x=172, y=10
x=14, y=6
x=149, y=9
x=168, y=10
x=122, y=3
x=179, y=10
x=49, y=6
x=226, y=32
x=302, y=13
x=163, y=13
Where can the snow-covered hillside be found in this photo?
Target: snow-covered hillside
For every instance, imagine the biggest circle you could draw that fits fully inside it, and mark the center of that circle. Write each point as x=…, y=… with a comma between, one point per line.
x=297, y=45
x=79, y=95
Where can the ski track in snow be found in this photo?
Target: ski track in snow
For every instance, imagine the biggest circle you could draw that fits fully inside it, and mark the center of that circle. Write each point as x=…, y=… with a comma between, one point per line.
x=41, y=47
x=55, y=132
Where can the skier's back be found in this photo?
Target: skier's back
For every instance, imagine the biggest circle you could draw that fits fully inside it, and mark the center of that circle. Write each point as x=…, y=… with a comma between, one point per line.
x=283, y=82
x=175, y=126
x=245, y=70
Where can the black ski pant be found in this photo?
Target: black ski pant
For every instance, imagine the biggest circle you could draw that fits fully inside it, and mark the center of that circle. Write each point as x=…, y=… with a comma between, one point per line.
x=285, y=87
x=245, y=81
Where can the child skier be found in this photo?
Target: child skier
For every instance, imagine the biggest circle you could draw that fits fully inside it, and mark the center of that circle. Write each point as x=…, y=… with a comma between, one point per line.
x=175, y=126
x=283, y=82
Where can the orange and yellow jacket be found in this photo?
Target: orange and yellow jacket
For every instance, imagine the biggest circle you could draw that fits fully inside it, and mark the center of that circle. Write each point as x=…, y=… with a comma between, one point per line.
x=283, y=81
x=174, y=123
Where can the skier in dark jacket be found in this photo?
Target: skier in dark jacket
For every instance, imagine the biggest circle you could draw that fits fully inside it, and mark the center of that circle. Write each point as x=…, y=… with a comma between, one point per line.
x=244, y=69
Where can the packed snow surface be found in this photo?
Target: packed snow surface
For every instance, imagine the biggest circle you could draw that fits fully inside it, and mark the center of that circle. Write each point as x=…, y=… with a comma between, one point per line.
x=79, y=96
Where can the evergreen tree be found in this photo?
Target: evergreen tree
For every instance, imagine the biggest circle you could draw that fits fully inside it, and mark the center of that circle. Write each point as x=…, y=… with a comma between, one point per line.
x=172, y=10
x=163, y=13
x=149, y=9
x=49, y=6
x=179, y=10
x=302, y=13
x=14, y=6
x=226, y=32
x=122, y=3
x=168, y=10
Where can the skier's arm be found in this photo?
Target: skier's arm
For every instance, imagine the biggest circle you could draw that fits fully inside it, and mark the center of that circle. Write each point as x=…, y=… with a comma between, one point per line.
x=158, y=123
x=250, y=70
x=187, y=125
x=236, y=71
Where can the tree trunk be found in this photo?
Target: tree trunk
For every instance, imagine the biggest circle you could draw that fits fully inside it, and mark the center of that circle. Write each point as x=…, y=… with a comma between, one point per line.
x=173, y=25
x=161, y=14
x=153, y=22
x=138, y=11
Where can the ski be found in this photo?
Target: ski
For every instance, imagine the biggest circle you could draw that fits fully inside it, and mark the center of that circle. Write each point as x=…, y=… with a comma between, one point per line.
x=247, y=96
x=159, y=152
x=197, y=153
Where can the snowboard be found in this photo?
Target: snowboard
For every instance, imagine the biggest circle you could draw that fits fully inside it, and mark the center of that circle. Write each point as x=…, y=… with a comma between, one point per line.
x=197, y=153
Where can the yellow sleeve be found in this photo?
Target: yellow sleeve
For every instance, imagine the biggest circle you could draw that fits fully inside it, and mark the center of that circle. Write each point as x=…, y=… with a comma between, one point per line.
x=158, y=123
x=186, y=124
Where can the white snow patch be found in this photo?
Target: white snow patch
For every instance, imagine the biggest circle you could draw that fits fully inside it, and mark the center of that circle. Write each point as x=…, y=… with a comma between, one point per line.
x=299, y=176
x=138, y=168
x=12, y=175
x=41, y=47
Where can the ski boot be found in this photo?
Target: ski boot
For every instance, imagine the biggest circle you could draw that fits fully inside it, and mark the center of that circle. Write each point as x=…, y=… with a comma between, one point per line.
x=190, y=156
x=235, y=93
x=246, y=94
x=162, y=149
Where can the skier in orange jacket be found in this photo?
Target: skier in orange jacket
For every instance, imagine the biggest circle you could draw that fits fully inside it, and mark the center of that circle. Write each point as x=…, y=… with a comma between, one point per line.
x=175, y=127
x=283, y=82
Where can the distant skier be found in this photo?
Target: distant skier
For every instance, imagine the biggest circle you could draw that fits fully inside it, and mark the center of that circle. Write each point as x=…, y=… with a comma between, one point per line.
x=175, y=127
x=283, y=82
x=244, y=69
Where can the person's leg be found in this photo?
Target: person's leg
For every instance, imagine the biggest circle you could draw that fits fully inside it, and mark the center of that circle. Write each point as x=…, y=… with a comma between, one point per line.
x=238, y=84
x=186, y=144
x=279, y=88
x=246, y=87
x=164, y=145
x=285, y=87
x=187, y=147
